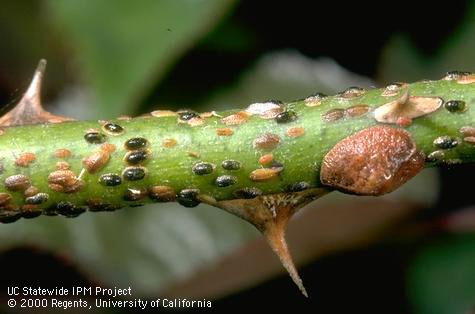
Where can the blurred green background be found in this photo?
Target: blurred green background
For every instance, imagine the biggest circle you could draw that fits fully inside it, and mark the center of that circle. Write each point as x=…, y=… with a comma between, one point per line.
x=411, y=252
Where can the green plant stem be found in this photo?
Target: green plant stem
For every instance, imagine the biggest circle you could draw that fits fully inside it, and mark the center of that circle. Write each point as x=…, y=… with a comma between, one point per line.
x=300, y=157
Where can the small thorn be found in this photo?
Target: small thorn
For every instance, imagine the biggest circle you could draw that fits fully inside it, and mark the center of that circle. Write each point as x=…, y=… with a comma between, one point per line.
x=29, y=109
x=270, y=214
x=275, y=236
x=33, y=93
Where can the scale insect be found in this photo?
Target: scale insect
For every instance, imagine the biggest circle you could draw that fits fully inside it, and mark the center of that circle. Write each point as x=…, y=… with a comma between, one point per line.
x=262, y=163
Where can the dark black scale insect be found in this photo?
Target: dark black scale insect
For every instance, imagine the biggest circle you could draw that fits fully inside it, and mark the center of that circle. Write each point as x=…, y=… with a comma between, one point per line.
x=110, y=179
x=136, y=157
x=187, y=115
x=95, y=137
x=445, y=142
x=297, y=187
x=6, y=219
x=225, y=180
x=202, y=168
x=455, y=75
x=103, y=207
x=435, y=156
x=188, y=197
x=136, y=143
x=37, y=199
x=455, y=105
x=247, y=193
x=133, y=174
x=113, y=128
x=231, y=165
x=286, y=116
x=68, y=209
x=28, y=214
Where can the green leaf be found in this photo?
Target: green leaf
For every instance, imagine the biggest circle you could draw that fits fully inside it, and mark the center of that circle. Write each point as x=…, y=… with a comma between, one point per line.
x=442, y=277
x=124, y=47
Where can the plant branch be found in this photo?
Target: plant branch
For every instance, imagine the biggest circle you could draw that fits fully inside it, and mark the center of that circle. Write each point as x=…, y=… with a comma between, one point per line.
x=261, y=163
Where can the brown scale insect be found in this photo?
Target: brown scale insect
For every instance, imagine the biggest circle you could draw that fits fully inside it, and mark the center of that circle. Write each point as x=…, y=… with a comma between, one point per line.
x=29, y=207
x=30, y=211
x=25, y=159
x=17, y=183
x=168, y=142
x=62, y=153
x=266, y=159
x=64, y=181
x=163, y=113
x=333, y=115
x=467, y=131
x=95, y=161
x=374, y=161
x=393, y=89
x=193, y=154
x=224, y=132
x=264, y=174
x=135, y=194
x=461, y=77
x=356, y=111
x=352, y=92
x=266, y=110
x=469, y=139
x=314, y=100
x=124, y=118
x=98, y=160
x=32, y=190
x=108, y=147
x=266, y=141
x=161, y=193
x=236, y=118
x=209, y=114
x=5, y=198
x=97, y=205
x=196, y=121
x=295, y=132
x=62, y=165
x=467, y=79
x=403, y=121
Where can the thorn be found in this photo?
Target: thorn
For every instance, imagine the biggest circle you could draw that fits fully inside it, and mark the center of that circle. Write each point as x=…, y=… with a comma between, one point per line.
x=29, y=109
x=270, y=214
x=275, y=236
x=33, y=93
